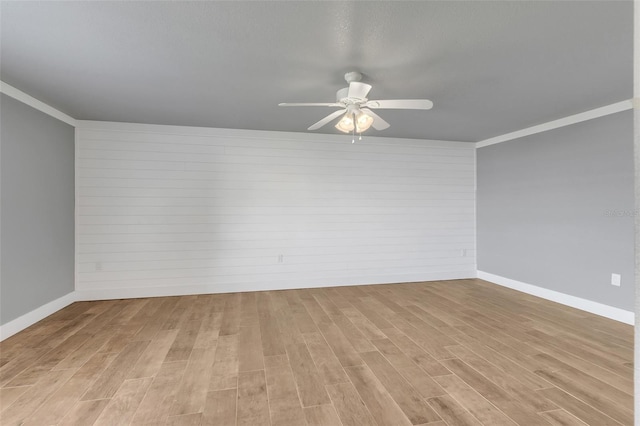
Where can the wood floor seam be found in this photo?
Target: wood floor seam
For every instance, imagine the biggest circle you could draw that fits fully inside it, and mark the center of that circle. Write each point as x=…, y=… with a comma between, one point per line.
x=442, y=353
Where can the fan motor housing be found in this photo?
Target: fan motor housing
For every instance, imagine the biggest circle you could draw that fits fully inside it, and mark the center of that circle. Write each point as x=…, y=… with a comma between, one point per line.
x=342, y=96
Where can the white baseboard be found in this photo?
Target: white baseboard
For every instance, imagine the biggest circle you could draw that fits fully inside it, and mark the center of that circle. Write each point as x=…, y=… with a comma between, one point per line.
x=12, y=327
x=139, y=292
x=603, y=310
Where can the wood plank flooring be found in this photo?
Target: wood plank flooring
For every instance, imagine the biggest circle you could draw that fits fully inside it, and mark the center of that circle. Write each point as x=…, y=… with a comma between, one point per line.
x=463, y=352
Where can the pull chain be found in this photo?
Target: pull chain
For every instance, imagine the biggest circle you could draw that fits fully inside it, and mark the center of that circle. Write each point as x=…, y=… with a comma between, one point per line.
x=353, y=138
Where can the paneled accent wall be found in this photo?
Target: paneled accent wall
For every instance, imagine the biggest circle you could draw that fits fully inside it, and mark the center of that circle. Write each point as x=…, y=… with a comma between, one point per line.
x=179, y=210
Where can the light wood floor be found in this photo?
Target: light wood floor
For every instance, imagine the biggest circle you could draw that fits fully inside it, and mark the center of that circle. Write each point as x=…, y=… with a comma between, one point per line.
x=460, y=352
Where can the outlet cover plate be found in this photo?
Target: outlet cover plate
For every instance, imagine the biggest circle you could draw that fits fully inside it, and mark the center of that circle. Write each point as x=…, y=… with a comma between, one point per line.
x=615, y=280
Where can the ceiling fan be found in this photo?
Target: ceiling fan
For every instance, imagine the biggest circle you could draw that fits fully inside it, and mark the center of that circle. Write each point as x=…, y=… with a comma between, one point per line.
x=356, y=107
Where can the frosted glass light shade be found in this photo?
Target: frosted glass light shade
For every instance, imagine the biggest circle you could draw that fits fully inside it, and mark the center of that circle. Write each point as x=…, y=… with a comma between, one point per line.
x=362, y=122
x=346, y=124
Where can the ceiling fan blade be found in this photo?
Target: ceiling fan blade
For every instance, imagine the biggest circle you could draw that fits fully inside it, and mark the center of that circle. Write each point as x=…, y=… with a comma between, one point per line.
x=378, y=122
x=358, y=90
x=400, y=104
x=327, y=119
x=290, y=104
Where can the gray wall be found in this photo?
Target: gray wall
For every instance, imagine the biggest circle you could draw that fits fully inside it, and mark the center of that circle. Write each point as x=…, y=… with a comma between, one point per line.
x=555, y=209
x=37, y=209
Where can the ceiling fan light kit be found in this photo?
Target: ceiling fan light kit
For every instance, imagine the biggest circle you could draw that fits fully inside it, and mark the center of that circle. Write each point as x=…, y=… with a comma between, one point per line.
x=354, y=119
x=356, y=113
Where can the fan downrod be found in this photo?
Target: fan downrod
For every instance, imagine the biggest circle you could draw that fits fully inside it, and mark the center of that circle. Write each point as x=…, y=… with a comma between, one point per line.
x=353, y=76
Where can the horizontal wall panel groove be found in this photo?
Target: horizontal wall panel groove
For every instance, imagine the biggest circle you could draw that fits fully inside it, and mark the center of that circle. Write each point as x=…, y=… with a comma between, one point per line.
x=103, y=170
x=272, y=259
x=272, y=253
x=188, y=209
x=273, y=219
x=252, y=194
x=292, y=210
x=240, y=154
x=199, y=161
x=239, y=183
x=225, y=185
x=127, y=168
x=149, y=243
x=361, y=152
x=233, y=240
x=266, y=202
x=249, y=282
x=258, y=231
x=258, y=265
x=255, y=273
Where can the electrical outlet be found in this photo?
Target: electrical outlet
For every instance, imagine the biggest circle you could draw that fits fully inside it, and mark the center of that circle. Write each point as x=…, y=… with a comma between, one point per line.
x=280, y=258
x=615, y=280
x=98, y=266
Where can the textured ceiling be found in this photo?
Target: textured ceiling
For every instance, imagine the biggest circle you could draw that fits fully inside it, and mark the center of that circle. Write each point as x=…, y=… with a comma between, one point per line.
x=489, y=67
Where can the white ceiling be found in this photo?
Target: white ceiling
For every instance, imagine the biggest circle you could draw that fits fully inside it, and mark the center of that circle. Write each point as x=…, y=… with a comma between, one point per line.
x=489, y=67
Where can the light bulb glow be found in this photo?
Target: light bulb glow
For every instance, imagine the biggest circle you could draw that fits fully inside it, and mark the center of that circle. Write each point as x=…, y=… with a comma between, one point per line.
x=362, y=122
x=346, y=123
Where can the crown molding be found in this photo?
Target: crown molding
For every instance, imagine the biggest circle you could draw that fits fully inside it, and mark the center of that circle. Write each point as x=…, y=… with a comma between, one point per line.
x=555, y=124
x=35, y=103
